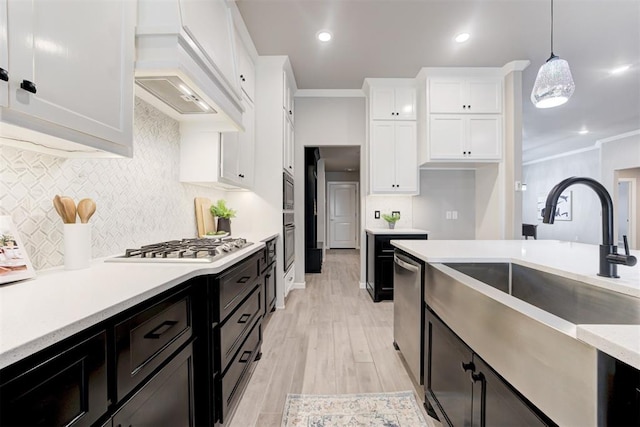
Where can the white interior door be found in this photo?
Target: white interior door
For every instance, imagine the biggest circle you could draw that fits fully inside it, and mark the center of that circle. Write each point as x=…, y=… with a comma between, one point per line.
x=343, y=214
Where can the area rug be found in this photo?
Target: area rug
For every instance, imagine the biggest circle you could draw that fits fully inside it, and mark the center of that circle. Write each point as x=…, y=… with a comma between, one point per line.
x=398, y=409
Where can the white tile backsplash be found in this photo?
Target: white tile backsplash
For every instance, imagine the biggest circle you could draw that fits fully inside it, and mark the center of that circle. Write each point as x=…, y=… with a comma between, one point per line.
x=140, y=200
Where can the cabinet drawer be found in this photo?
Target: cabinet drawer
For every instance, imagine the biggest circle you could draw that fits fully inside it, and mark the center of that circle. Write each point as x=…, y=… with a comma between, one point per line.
x=384, y=243
x=68, y=388
x=235, y=285
x=233, y=382
x=148, y=338
x=235, y=328
x=166, y=399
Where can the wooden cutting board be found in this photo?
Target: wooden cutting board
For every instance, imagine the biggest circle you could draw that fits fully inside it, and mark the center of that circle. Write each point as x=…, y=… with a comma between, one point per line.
x=204, y=218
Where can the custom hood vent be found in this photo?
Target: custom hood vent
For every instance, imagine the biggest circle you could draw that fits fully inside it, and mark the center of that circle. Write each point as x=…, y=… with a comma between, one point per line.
x=174, y=92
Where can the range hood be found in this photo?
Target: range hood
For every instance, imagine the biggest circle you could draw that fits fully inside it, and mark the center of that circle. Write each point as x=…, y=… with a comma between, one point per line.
x=188, y=80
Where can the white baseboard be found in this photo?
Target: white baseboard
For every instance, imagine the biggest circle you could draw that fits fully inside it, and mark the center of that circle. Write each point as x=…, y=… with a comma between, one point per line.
x=363, y=285
x=299, y=285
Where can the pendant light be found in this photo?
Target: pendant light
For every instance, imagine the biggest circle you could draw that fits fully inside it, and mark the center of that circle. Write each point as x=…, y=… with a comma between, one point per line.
x=554, y=83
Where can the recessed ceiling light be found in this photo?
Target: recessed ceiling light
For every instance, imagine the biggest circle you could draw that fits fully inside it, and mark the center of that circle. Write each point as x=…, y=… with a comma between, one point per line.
x=463, y=37
x=620, y=69
x=583, y=131
x=324, y=36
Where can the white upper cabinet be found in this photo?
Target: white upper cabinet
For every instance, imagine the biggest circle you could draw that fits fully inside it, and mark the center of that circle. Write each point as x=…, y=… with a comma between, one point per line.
x=237, y=149
x=459, y=95
x=393, y=103
x=466, y=137
x=287, y=96
x=4, y=56
x=70, y=74
x=246, y=69
x=393, y=155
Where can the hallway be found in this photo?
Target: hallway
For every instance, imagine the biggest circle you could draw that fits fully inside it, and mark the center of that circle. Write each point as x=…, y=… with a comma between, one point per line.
x=330, y=339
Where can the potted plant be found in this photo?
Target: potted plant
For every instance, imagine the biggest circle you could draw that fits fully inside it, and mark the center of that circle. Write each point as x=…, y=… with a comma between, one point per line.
x=391, y=219
x=224, y=215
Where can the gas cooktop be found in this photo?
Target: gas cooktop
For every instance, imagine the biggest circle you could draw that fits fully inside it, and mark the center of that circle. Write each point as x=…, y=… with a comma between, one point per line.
x=184, y=251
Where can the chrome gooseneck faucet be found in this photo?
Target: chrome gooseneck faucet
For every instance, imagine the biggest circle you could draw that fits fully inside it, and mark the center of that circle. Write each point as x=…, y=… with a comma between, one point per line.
x=609, y=256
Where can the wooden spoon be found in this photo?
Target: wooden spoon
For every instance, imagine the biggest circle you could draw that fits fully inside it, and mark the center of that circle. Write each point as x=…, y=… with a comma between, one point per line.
x=69, y=209
x=57, y=203
x=86, y=208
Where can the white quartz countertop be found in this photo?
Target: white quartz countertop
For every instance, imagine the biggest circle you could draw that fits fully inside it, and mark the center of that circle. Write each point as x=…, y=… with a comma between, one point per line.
x=577, y=261
x=396, y=231
x=57, y=303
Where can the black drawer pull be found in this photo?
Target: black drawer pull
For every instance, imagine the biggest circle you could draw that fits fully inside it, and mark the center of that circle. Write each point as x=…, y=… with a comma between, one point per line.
x=163, y=327
x=4, y=75
x=268, y=276
x=243, y=279
x=28, y=86
x=246, y=355
x=244, y=318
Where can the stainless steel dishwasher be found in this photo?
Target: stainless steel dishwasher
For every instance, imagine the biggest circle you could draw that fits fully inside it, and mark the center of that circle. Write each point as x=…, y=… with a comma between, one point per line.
x=407, y=312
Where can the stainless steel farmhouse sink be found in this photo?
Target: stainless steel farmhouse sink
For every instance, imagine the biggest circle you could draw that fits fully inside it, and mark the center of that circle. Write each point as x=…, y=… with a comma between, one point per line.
x=568, y=299
x=523, y=323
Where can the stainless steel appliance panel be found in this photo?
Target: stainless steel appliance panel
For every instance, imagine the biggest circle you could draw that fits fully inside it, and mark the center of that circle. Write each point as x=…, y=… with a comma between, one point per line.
x=407, y=312
x=289, y=231
x=287, y=192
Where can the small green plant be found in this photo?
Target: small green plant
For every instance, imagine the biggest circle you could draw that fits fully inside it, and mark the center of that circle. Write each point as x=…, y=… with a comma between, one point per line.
x=221, y=210
x=392, y=219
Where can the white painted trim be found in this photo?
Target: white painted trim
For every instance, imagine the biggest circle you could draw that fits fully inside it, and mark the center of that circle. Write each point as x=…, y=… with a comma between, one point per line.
x=363, y=285
x=517, y=65
x=617, y=137
x=327, y=216
x=558, y=156
x=299, y=285
x=632, y=211
x=329, y=93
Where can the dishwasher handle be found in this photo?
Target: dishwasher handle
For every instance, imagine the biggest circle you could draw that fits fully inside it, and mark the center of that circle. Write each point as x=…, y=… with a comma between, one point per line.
x=406, y=265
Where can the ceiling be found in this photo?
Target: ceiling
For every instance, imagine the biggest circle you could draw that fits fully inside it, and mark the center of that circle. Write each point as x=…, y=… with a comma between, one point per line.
x=395, y=38
x=341, y=159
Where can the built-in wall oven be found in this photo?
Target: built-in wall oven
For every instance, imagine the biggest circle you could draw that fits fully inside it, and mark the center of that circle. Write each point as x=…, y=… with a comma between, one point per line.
x=289, y=231
x=287, y=192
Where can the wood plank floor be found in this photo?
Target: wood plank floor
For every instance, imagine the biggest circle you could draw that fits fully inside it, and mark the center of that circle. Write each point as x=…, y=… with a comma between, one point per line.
x=330, y=339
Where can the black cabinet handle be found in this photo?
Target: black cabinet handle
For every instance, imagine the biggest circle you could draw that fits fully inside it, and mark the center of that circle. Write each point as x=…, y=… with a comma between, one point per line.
x=28, y=86
x=477, y=377
x=468, y=366
x=163, y=327
x=290, y=112
x=244, y=318
x=246, y=355
x=243, y=279
x=4, y=75
x=469, y=152
x=469, y=106
x=268, y=276
x=241, y=175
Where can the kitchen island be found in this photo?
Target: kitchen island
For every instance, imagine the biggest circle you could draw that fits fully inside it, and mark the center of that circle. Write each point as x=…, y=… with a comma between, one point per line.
x=532, y=349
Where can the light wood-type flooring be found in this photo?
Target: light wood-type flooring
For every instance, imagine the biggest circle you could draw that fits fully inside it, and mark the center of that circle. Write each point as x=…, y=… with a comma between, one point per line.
x=330, y=339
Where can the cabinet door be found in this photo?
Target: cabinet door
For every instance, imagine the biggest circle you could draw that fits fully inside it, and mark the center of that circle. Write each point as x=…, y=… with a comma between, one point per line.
x=384, y=275
x=405, y=103
x=4, y=55
x=484, y=137
x=382, y=170
x=449, y=384
x=84, y=83
x=166, y=400
x=484, y=96
x=383, y=103
x=246, y=70
x=501, y=406
x=446, y=96
x=230, y=150
x=246, y=142
x=68, y=389
x=289, y=146
x=446, y=137
x=406, y=153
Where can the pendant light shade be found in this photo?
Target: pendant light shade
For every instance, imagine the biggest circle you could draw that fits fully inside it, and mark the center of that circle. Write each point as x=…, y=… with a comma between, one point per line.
x=554, y=82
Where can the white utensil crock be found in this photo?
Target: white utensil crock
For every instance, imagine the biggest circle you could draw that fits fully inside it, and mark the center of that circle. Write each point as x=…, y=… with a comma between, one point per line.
x=77, y=246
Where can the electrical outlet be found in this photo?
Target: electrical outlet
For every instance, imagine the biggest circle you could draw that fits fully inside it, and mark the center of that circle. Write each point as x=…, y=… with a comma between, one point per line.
x=454, y=215
x=395, y=212
x=376, y=214
x=448, y=215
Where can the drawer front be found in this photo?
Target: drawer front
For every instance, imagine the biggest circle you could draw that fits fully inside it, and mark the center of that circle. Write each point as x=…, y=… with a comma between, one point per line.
x=148, y=338
x=234, y=380
x=67, y=389
x=166, y=399
x=235, y=328
x=235, y=285
x=384, y=242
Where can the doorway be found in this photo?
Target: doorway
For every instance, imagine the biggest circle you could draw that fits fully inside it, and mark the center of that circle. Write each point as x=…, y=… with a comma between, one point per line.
x=343, y=214
x=626, y=211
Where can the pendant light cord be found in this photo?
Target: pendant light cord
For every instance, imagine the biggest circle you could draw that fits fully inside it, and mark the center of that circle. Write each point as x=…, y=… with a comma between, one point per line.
x=552, y=28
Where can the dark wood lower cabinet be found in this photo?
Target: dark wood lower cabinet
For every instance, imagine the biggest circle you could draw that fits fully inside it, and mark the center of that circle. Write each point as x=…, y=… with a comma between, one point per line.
x=167, y=399
x=465, y=391
x=61, y=387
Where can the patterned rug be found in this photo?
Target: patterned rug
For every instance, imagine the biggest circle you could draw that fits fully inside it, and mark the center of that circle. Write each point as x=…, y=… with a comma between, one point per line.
x=398, y=409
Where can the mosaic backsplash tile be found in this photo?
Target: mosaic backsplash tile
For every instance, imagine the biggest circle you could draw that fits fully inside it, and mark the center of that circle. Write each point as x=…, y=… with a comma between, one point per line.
x=140, y=200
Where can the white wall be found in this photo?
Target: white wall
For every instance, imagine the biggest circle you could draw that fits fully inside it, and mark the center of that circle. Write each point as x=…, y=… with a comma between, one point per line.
x=542, y=176
x=442, y=191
